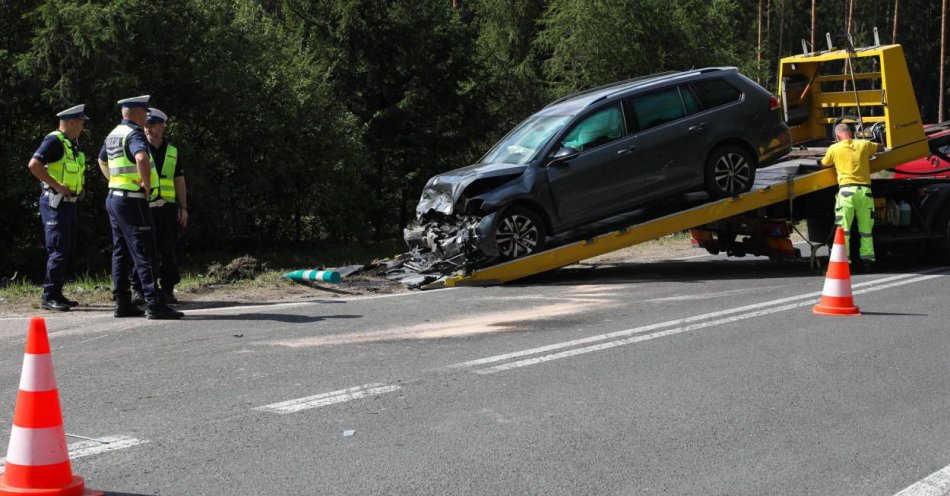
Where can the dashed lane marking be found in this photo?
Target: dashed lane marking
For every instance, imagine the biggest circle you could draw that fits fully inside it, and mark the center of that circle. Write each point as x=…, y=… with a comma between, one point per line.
x=330, y=398
x=660, y=325
x=936, y=484
x=636, y=334
x=89, y=448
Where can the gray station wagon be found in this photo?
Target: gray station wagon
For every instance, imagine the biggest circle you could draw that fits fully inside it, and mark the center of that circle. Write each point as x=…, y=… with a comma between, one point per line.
x=601, y=152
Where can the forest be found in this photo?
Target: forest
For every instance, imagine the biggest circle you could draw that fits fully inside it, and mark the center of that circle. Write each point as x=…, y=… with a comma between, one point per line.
x=305, y=124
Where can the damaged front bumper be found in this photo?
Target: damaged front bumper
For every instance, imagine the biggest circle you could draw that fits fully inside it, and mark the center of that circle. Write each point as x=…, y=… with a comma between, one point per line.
x=443, y=247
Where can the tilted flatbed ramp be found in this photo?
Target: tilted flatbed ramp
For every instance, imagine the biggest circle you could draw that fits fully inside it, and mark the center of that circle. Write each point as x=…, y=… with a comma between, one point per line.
x=809, y=110
x=784, y=181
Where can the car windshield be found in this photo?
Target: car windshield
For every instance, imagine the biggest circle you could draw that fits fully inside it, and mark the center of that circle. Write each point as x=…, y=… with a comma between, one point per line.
x=524, y=142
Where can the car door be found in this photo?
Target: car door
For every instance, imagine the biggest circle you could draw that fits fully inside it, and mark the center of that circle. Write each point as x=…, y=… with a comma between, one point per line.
x=668, y=141
x=590, y=184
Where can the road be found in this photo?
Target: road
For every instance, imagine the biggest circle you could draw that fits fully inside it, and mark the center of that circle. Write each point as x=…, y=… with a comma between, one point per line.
x=698, y=376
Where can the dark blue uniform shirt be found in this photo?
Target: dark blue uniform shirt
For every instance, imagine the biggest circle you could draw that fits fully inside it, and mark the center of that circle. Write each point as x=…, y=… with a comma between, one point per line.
x=50, y=150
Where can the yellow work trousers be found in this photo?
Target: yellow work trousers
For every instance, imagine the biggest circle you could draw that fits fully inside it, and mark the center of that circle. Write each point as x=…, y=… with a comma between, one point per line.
x=856, y=202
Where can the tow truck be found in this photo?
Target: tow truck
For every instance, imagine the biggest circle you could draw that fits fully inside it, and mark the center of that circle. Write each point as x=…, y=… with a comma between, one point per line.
x=812, y=88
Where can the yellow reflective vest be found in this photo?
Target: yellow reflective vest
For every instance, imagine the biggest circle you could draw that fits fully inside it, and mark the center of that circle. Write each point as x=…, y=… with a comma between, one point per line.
x=123, y=173
x=70, y=168
x=166, y=180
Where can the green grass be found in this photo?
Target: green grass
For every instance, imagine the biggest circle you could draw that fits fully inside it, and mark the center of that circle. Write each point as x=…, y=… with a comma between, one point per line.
x=97, y=287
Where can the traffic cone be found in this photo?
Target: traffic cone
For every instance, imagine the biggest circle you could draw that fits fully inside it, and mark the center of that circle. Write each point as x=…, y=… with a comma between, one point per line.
x=836, y=296
x=37, y=459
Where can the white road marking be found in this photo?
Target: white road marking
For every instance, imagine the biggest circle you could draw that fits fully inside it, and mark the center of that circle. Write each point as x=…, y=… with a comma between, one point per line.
x=330, y=398
x=936, y=484
x=89, y=448
x=670, y=323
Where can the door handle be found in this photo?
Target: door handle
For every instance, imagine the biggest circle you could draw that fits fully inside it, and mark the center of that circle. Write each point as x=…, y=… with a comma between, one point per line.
x=626, y=151
x=697, y=127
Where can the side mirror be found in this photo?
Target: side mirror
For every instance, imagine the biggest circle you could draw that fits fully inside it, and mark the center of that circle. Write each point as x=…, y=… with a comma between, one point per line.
x=564, y=153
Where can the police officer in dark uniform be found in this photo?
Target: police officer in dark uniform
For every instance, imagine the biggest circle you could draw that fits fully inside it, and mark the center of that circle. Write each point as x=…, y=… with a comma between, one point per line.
x=169, y=208
x=126, y=161
x=60, y=166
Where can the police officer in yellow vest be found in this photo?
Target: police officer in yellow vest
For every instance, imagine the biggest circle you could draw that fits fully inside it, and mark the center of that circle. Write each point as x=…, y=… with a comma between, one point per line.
x=851, y=159
x=133, y=181
x=60, y=166
x=169, y=208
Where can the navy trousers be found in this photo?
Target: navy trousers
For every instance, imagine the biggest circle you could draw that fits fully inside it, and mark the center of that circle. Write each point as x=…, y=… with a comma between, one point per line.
x=166, y=238
x=133, y=245
x=59, y=226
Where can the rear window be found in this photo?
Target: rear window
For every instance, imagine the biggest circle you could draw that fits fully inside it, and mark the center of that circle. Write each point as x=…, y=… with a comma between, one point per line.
x=692, y=105
x=716, y=92
x=658, y=108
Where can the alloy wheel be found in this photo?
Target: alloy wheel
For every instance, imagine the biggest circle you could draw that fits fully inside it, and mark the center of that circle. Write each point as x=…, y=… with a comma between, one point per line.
x=732, y=173
x=517, y=236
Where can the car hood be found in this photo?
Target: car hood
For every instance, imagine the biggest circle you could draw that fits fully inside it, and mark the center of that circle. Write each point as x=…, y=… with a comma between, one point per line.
x=443, y=191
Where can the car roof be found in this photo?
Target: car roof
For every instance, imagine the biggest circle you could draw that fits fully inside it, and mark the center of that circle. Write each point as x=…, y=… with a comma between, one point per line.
x=574, y=103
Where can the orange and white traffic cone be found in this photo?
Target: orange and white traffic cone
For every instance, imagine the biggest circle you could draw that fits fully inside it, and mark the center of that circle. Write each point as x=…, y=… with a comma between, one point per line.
x=37, y=459
x=836, y=298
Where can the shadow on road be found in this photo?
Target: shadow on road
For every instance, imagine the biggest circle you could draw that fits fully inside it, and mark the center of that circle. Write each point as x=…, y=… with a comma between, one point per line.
x=898, y=314
x=275, y=317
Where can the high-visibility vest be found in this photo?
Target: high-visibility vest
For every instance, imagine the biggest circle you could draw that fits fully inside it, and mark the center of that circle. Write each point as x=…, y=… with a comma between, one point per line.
x=69, y=169
x=123, y=173
x=166, y=180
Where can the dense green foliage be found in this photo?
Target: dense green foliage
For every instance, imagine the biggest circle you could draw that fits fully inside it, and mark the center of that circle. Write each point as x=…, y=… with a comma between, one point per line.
x=307, y=123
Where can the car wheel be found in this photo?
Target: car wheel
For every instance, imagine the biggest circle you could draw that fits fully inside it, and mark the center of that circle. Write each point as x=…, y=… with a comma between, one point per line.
x=729, y=171
x=519, y=232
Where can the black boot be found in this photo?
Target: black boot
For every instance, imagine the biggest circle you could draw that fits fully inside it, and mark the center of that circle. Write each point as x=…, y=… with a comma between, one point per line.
x=138, y=298
x=125, y=308
x=68, y=302
x=55, y=305
x=169, y=296
x=162, y=312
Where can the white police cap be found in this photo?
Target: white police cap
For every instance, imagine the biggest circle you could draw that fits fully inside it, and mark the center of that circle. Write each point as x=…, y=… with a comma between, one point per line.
x=77, y=112
x=135, y=101
x=156, y=116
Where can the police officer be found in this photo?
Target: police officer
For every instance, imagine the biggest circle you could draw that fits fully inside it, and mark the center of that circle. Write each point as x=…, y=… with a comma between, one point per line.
x=851, y=159
x=125, y=160
x=169, y=208
x=59, y=165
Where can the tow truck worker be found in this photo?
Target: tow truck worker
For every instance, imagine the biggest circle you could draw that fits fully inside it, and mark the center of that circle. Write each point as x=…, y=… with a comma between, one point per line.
x=60, y=167
x=850, y=158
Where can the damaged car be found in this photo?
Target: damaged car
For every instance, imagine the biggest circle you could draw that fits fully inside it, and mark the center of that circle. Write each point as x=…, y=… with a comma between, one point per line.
x=594, y=154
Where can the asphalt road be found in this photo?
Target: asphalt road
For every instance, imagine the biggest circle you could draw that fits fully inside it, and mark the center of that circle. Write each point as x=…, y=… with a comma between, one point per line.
x=699, y=376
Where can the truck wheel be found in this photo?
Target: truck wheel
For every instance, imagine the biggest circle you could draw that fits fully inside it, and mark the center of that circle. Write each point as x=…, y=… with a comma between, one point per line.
x=729, y=171
x=940, y=248
x=519, y=232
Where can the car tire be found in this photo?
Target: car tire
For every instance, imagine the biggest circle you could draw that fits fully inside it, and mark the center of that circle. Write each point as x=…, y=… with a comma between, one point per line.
x=519, y=232
x=730, y=171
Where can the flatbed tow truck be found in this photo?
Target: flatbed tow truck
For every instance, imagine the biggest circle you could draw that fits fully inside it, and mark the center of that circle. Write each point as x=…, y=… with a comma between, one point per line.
x=760, y=221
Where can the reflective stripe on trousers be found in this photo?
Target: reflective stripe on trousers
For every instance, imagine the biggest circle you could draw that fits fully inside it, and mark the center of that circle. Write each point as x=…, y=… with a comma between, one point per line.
x=856, y=202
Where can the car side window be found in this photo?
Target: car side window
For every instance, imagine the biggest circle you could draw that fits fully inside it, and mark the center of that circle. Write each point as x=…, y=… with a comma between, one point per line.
x=658, y=108
x=716, y=92
x=597, y=129
x=689, y=100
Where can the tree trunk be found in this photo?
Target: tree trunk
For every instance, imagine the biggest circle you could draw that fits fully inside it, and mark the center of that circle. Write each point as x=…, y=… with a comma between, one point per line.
x=943, y=47
x=850, y=16
x=758, y=51
x=894, y=32
x=813, y=38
